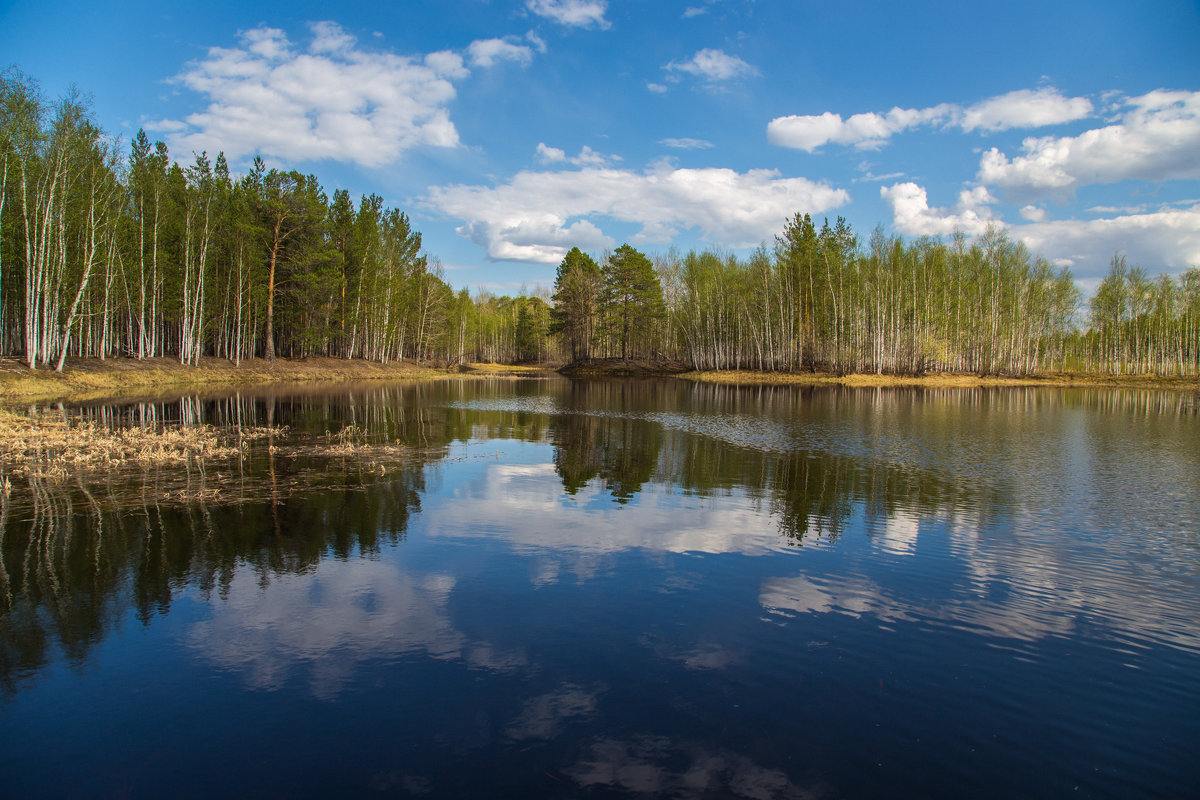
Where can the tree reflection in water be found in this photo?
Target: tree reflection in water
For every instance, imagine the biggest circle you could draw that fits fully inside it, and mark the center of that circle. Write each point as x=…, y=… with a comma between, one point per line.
x=77, y=554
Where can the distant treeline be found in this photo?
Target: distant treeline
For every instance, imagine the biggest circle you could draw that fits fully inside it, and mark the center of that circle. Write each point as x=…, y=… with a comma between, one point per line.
x=106, y=251
x=820, y=299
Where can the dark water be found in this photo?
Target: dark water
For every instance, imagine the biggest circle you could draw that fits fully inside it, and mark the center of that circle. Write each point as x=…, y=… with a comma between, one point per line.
x=558, y=589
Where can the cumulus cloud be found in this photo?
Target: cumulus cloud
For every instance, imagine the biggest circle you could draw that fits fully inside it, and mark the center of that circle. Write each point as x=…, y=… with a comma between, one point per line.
x=538, y=216
x=1025, y=108
x=550, y=155
x=1156, y=138
x=865, y=131
x=1167, y=239
x=1160, y=241
x=572, y=13
x=870, y=130
x=328, y=37
x=487, y=52
x=657, y=88
x=330, y=101
x=713, y=66
x=587, y=156
x=1033, y=213
x=913, y=216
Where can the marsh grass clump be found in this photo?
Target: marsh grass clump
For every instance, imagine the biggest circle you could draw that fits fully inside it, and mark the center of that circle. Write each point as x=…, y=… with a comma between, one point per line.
x=354, y=442
x=50, y=445
x=53, y=451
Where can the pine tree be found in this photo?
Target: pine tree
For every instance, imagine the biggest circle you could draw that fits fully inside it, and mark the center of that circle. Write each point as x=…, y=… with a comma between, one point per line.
x=577, y=291
x=633, y=300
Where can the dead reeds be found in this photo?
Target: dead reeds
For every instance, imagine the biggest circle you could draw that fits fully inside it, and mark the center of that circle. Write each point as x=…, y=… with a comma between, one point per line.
x=52, y=446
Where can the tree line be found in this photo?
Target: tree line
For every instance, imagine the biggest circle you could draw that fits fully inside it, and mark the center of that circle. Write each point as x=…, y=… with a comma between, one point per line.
x=819, y=299
x=111, y=251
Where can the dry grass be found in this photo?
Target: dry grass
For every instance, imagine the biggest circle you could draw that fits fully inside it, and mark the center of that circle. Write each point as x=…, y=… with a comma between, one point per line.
x=353, y=442
x=95, y=380
x=92, y=379
x=50, y=446
x=89, y=379
x=506, y=370
x=939, y=380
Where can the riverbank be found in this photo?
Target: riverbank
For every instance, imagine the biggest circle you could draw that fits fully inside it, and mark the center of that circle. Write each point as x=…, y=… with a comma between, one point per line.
x=618, y=368
x=91, y=379
x=943, y=380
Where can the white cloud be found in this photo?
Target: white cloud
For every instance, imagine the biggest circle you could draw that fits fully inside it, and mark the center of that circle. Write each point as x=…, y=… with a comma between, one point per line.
x=1159, y=241
x=694, y=11
x=270, y=43
x=550, y=155
x=590, y=158
x=487, y=52
x=870, y=130
x=587, y=156
x=331, y=102
x=1025, y=108
x=538, y=42
x=657, y=88
x=447, y=64
x=538, y=216
x=1167, y=240
x=328, y=37
x=713, y=66
x=572, y=13
x=913, y=216
x=1157, y=138
x=864, y=131
x=869, y=176
x=686, y=143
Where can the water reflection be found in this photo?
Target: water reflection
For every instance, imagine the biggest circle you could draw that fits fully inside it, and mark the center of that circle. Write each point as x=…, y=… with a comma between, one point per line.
x=330, y=618
x=656, y=466
x=658, y=766
x=637, y=587
x=76, y=558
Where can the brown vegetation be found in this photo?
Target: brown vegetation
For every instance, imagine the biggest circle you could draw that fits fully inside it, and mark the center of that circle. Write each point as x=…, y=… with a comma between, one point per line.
x=52, y=445
x=622, y=368
x=942, y=380
x=92, y=379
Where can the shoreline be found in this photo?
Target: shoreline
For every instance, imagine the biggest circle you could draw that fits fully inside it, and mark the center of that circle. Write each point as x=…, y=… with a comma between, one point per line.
x=944, y=380
x=86, y=379
x=89, y=379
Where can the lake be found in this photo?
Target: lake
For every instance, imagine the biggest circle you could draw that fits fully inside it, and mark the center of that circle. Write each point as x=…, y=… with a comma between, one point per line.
x=547, y=588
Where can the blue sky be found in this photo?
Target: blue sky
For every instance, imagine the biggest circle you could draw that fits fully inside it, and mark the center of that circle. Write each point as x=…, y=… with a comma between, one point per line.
x=511, y=131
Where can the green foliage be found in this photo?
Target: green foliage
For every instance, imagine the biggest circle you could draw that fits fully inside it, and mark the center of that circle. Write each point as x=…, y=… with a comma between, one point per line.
x=633, y=302
x=577, y=293
x=103, y=254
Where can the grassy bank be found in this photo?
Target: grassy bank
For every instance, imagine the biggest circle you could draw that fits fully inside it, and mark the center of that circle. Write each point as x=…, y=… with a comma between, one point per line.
x=941, y=380
x=618, y=368
x=91, y=379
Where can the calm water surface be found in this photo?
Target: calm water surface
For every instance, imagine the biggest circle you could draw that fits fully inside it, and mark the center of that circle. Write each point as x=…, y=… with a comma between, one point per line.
x=558, y=589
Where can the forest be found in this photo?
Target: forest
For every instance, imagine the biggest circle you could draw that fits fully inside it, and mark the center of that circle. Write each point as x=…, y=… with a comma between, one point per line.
x=110, y=250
